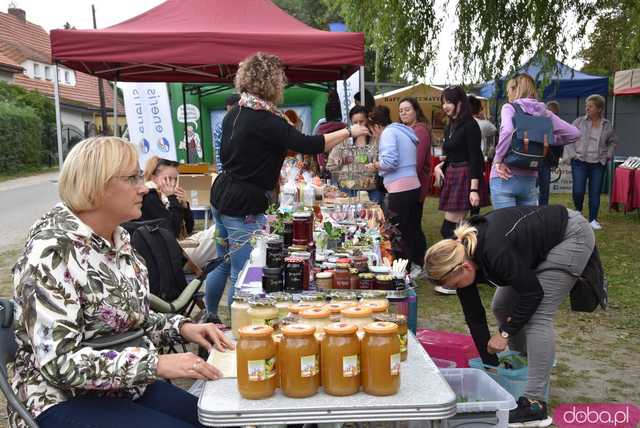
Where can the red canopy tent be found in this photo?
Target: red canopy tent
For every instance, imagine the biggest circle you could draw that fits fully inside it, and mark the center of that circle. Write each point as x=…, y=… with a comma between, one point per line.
x=203, y=41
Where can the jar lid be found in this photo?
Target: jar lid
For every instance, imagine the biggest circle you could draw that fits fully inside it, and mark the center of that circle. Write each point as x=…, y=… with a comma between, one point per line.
x=298, y=329
x=373, y=294
x=376, y=306
x=324, y=275
x=336, y=308
x=343, y=295
x=291, y=259
x=360, y=259
x=381, y=327
x=343, y=260
x=255, y=331
x=297, y=307
x=366, y=275
x=291, y=319
x=354, y=271
x=384, y=278
x=302, y=214
x=241, y=298
x=312, y=296
x=301, y=254
x=320, y=258
x=280, y=296
x=340, y=328
x=294, y=248
x=398, y=319
x=316, y=312
x=275, y=240
x=343, y=265
x=357, y=312
x=271, y=271
x=261, y=302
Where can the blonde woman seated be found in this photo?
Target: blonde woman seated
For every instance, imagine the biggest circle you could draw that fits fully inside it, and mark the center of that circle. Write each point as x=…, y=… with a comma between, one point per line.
x=166, y=200
x=506, y=248
x=79, y=283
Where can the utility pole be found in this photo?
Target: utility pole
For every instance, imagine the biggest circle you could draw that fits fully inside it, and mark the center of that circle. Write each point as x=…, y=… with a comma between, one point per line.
x=103, y=109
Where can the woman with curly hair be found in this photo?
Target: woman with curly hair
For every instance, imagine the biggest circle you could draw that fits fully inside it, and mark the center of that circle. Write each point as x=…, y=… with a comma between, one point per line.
x=255, y=140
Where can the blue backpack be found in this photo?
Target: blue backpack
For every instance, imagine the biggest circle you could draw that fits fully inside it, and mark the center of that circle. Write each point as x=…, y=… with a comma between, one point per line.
x=530, y=141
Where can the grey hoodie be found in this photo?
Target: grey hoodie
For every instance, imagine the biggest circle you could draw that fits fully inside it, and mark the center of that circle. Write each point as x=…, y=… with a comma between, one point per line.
x=397, y=159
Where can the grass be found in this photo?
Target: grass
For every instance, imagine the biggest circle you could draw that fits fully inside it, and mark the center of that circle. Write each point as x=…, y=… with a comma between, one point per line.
x=27, y=173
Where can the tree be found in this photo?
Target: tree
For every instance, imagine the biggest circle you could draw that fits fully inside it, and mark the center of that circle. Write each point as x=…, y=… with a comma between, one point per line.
x=615, y=42
x=491, y=36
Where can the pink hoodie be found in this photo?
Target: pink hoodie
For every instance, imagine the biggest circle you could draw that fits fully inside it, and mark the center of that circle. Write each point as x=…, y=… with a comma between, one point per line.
x=564, y=132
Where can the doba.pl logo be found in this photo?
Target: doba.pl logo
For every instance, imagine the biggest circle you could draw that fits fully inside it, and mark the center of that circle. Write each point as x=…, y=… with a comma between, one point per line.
x=600, y=415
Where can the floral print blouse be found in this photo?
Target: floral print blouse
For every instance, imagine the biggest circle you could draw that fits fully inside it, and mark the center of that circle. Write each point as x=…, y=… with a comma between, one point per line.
x=71, y=285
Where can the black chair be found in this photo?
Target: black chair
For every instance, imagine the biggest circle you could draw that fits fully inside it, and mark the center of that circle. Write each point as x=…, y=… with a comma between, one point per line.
x=7, y=355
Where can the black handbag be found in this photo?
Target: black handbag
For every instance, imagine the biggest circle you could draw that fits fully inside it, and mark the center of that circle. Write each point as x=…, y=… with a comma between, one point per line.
x=591, y=288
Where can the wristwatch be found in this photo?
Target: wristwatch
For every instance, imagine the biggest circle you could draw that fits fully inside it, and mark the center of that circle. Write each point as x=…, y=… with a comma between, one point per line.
x=504, y=334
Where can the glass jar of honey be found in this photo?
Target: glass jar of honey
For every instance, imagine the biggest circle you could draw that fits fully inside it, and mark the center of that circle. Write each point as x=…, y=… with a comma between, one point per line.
x=340, y=361
x=296, y=308
x=401, y=321
x=357, y=315
x=367, y=281
x=262, y=311
x=299, y=361
x=380, y=358
x=379, y=296
x=318, y=298
x=282, y=302
x=350, y=298
x=324, y=280
x=239, y=316
x=376, y=307
x=342, y=277
x=317, y=317
x=256, y=362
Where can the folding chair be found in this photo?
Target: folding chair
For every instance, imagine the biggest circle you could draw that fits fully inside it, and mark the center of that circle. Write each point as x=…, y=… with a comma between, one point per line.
x=7, y=355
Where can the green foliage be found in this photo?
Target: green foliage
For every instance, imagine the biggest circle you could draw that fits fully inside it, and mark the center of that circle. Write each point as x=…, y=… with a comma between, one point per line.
x=43, y=108
x=615, y=42
x=20, y=145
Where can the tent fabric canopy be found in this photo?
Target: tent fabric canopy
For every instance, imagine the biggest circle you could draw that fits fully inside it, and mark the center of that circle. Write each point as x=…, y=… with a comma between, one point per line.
x=565, y=82
x=627, y=82
x=204, y=40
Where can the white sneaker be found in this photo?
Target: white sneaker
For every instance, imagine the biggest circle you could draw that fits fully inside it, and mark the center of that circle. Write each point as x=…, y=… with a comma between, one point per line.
x=595, y=225
x=442, y=290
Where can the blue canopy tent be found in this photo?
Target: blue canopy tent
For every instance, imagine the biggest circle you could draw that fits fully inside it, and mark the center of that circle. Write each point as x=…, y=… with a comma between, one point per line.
x=565, y=82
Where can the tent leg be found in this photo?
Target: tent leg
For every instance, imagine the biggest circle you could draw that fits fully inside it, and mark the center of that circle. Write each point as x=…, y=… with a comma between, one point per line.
x=56, y=99
x=184, y=111
x=362, y=87
x=612, y=165
x=115, y=108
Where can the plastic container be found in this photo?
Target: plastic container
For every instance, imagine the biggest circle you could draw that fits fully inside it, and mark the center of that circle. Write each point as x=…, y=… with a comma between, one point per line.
x=514, y=380
x=443, y=364
x=481, y=401
x=445, y=345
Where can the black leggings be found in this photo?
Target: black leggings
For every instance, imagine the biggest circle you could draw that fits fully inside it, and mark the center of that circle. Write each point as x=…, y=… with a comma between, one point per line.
x=404, y=210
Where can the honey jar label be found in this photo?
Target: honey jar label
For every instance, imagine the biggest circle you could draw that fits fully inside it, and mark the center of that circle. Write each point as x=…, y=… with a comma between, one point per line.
x=260, y=370
x=350, y=366
x=309, y=365
x=403, y=342
x=394, y=361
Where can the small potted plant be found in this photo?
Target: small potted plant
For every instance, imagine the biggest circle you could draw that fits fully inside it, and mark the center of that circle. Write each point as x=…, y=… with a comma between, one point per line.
x=334, y=235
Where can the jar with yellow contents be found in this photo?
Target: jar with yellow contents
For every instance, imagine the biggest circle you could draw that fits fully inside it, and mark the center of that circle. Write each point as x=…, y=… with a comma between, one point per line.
x=256, y=358
x=262, y=311
x=239, y=316
x=316, y=317
x=282, y=302
x=299, y=361
x=350, y=298
x=401, y=321
x=340, y=360
x=296, y=308
x=380, y=307
x=380, y=358
x=357, y=315
x=374, y=296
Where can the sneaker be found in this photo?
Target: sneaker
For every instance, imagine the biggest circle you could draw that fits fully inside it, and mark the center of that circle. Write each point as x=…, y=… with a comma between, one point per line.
x=529, y=413
x=595, y=225
x=443, y=290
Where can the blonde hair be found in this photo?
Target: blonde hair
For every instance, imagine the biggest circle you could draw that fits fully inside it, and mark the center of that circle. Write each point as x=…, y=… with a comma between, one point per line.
x=523, y=86
x=598, y=101
x=261, y=75
x=150, y=167
x=444, y=256
x=88, y=168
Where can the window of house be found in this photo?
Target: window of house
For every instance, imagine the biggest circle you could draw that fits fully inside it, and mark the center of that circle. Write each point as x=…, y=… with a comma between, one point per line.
x=47, y=72
x=67, y=77
x=36, y=71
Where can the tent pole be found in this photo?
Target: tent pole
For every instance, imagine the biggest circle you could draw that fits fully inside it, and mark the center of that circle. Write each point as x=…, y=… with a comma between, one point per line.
x=346, y=99
x=184, y=116
x=362, y=88
x=56, y=97
x=612, y=166
x=115, y=107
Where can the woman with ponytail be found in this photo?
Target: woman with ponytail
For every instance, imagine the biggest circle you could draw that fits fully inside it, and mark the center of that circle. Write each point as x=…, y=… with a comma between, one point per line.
x=505, y=248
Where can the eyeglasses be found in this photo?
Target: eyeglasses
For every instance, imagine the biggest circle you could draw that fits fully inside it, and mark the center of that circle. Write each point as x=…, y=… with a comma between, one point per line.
x=135, y=179
x=439, y=281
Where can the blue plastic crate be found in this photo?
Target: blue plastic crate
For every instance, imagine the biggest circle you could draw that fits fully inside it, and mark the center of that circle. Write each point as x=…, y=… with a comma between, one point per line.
x=513, y=380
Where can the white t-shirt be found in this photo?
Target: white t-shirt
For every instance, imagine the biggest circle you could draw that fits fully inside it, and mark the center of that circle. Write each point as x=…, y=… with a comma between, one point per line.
x=488, y=131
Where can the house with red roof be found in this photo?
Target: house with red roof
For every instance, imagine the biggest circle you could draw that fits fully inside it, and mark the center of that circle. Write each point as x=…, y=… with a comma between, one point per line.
x=25, y=61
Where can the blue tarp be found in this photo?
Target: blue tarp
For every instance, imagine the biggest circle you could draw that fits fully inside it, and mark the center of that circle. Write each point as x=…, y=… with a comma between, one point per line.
x=565, y=82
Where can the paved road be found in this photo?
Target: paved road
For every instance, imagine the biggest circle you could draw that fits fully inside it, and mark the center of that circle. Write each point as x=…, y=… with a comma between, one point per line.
x=22, y=202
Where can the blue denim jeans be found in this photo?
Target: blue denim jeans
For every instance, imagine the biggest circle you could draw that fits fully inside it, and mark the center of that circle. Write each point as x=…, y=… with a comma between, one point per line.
x=162, y=405
x=517, y=191
x=544, y=180
x=234, y=236
x=581, y=172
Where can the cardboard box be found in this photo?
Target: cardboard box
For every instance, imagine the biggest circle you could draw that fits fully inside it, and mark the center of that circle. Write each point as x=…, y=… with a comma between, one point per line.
x=198, y=189
x=194, y=168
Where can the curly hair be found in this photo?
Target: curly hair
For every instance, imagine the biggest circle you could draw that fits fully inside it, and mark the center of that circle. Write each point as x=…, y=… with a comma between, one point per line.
x=261, y=75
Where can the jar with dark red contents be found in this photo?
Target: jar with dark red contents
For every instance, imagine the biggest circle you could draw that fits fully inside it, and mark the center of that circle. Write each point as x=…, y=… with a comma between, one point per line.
x=287, y=233
x=275, y=253
x=306, y=257
x=353, y=278
x=271, y=280
x=342, y=277
x=367, y=281
x=302, y=227
x=384, y=282
x=361, y=263
x=293, y=274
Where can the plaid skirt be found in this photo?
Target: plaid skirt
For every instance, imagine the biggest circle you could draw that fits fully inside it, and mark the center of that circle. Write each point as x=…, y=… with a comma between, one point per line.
x=454, y=195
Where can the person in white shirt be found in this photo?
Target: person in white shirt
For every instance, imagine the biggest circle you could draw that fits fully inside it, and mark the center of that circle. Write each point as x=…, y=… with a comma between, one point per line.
x=487, y=129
